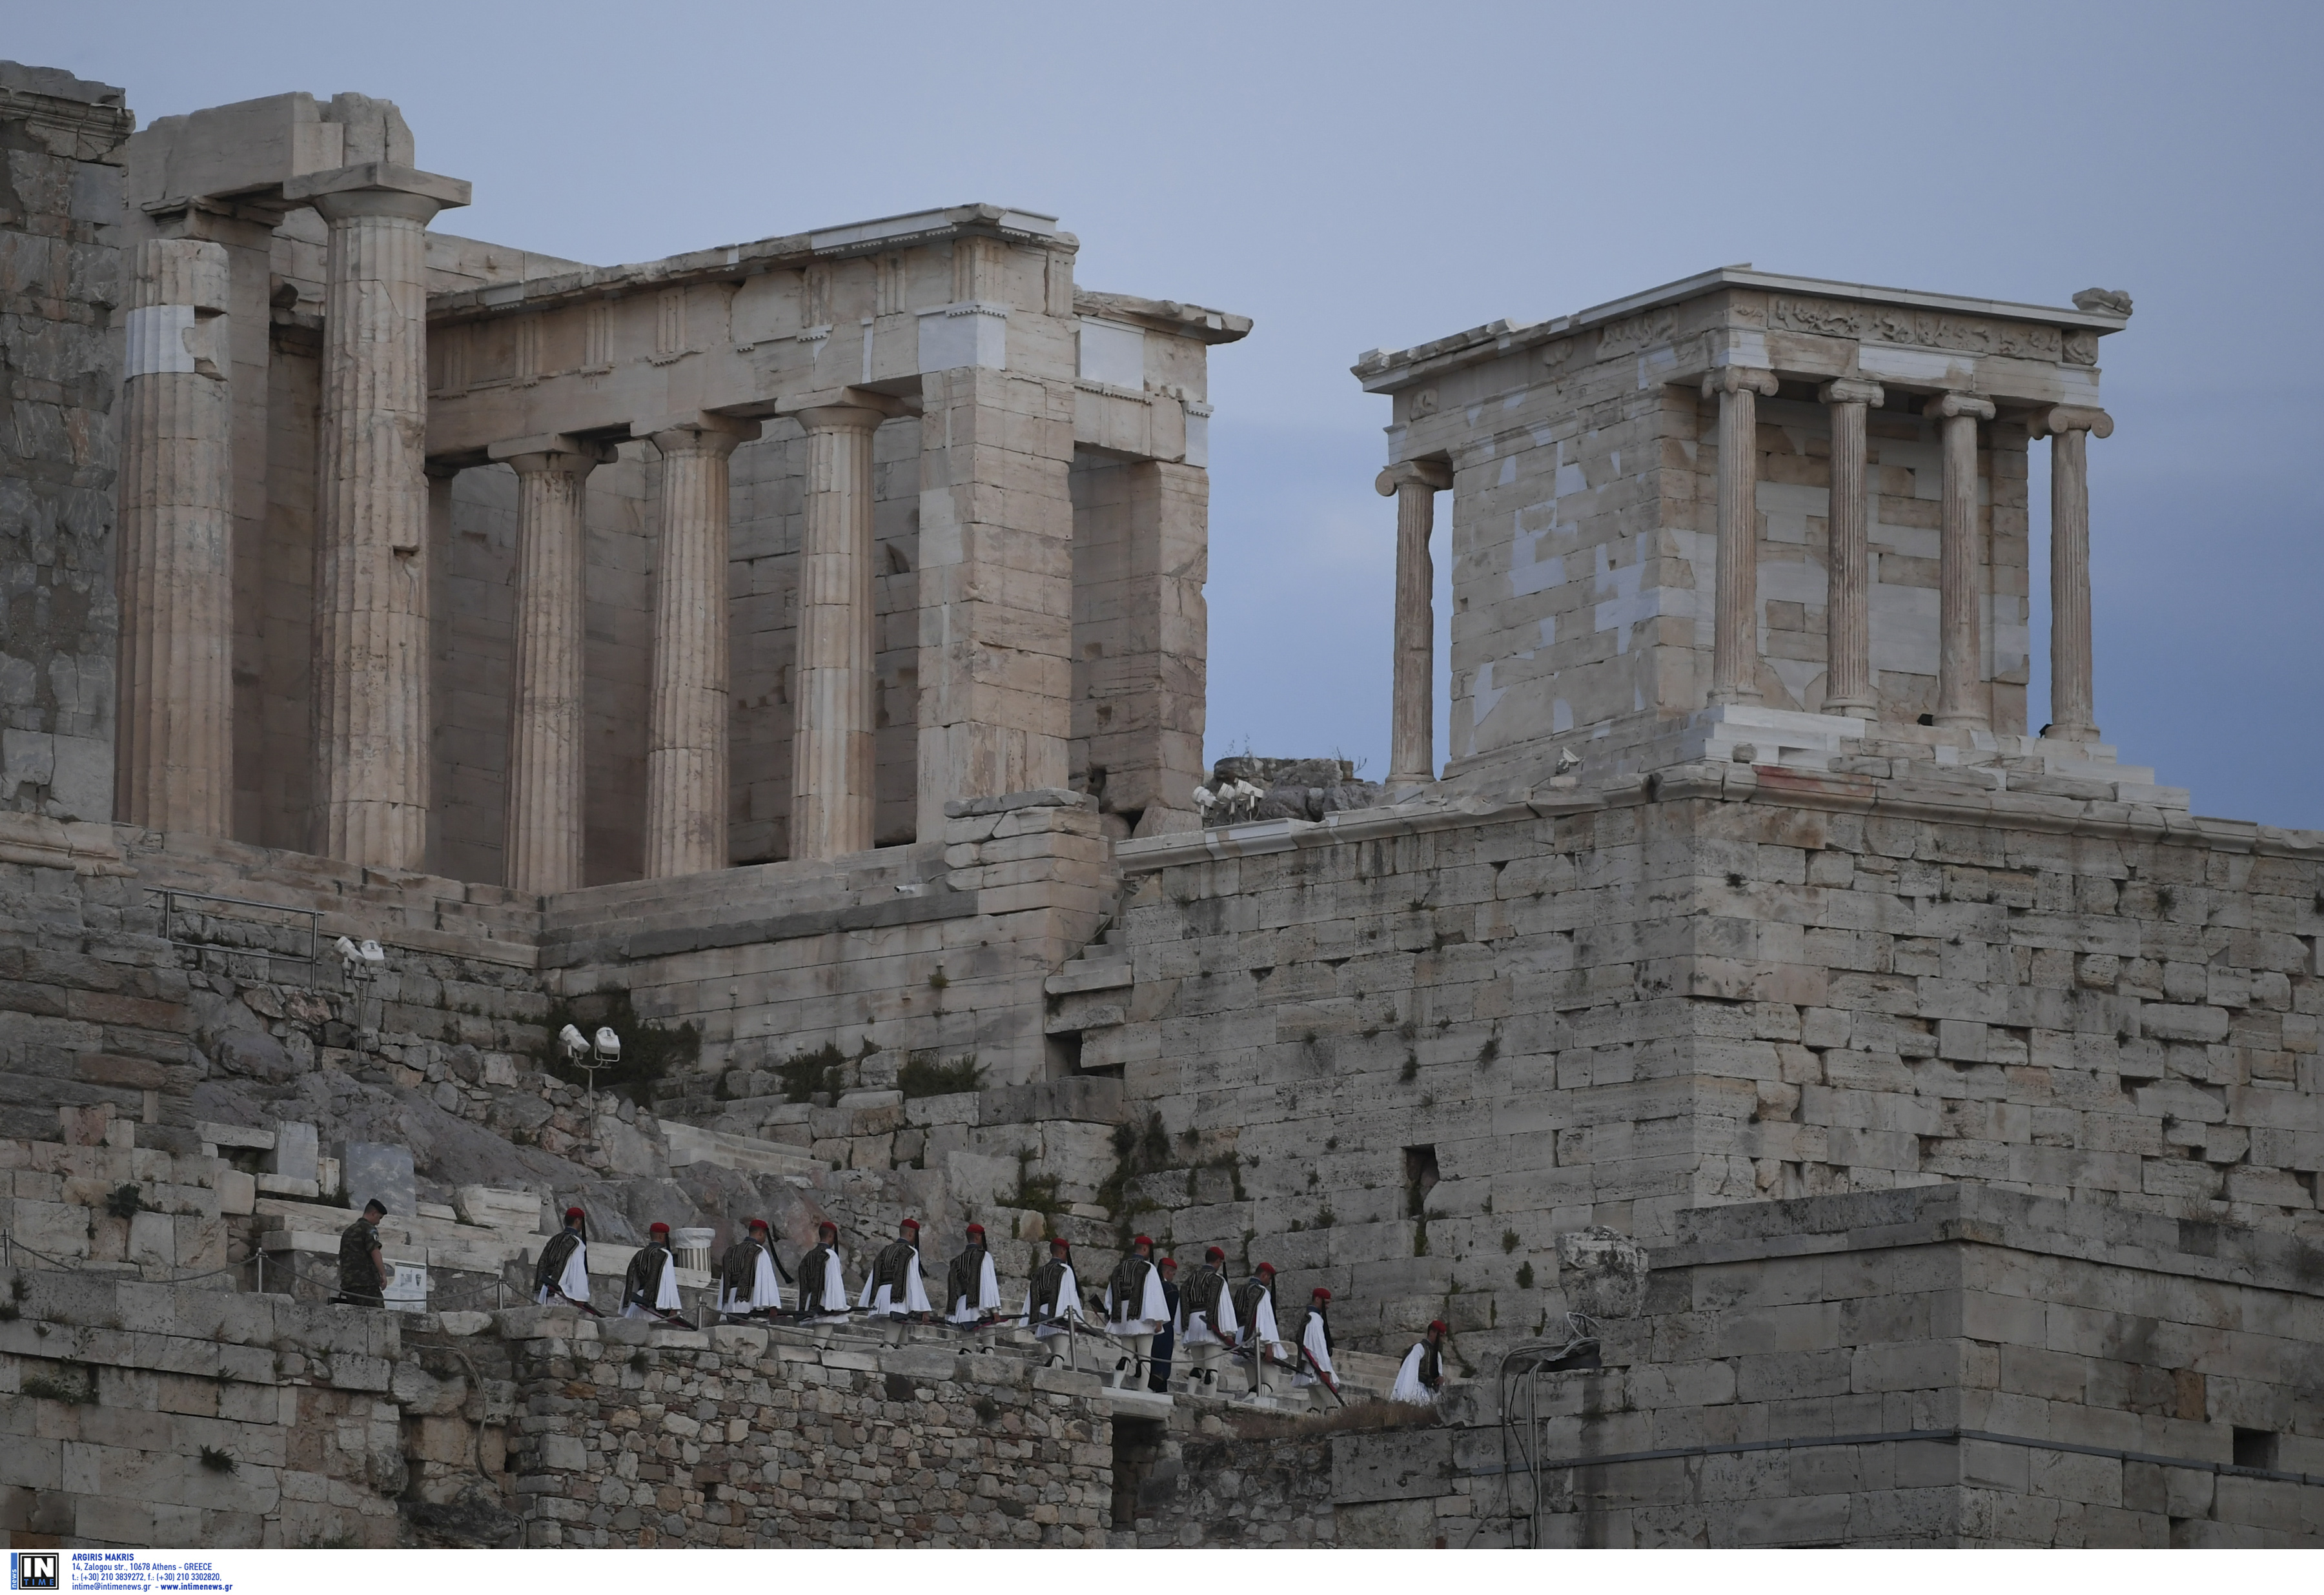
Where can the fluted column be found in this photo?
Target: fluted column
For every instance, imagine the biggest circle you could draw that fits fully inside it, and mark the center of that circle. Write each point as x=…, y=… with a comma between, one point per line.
x=1848, y=624
x=542, y=845
x=686, y=746
x=834, y=736
x=2069, y=428
x=1735, y=635
x=175, y=768
x=371, y=588
x=1412, y=711
x=1960, y=698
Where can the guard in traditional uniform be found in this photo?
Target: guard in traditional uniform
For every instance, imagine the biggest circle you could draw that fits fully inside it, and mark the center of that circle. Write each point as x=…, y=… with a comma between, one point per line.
x=1254, y=1309
x=1209, y=1325
x=650, y=1288
x=893, y=1289
x=1206, y=1316
x=822, y=1285
x=1165, y=1342
x=1314, y=1339
x=750, y=1276
x=363, y=1273
x=1421, y=1377
x=563, y=1274
x=1053, y=1303
x=1135, y=1310
x=972, y=1290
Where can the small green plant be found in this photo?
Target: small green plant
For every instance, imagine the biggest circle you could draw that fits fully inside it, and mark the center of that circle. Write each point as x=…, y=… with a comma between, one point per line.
x=124, y=1201
x=2165, y=900
x=939, y=980
x=1034, y=1193
x=986, y=1407
x=639, y=1362
x=1420, y=1237
x=73, y=1384
x=1326, y=1218
x=1331, y=1143
x=648, y=1052
x=1411, y=1069
x=1488, y=1052
x=1525, y=1275
x=216, y=1461
x=923, y=1076
x=807, y=1076
x=1508, y=1240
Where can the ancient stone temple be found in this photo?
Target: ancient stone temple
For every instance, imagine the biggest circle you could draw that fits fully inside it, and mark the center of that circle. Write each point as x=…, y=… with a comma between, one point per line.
x=720, y=738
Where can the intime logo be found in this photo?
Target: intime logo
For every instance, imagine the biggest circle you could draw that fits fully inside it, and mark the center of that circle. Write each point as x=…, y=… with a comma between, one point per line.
x=34, y=1570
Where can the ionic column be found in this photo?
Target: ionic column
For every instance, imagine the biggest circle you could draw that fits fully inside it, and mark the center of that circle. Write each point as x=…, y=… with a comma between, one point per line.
x=685, y=737
x=175, y=768
x=371, y=588
x=1735, y=636
x=1412, y=713
x=2069, y=429
x=834, y=785
x=1959, y=701
x=542, y=845
x=1848, y=625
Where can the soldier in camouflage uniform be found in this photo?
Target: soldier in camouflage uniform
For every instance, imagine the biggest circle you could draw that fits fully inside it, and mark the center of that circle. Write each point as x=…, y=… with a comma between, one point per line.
x=363, y=1273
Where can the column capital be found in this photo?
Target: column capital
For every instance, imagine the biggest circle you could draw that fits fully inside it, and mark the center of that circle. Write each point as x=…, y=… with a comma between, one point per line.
x=856, y=410
x=699, y=433
x=1737, y=379
x=1432, y=475
x=1949, y=406
x=1848, y=390
x=2058, y=418
x=552, y=451
x=377, y=188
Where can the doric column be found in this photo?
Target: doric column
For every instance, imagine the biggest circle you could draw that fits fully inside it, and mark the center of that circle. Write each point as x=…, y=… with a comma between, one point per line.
x=685, y=739
x=175, y=771
x=1960, y=701
x=371, y=579
x=2073, y=710
x=542, y=839
x=1848, y=625
x=1735, y=636
x=833, y=700
x=1412, y=713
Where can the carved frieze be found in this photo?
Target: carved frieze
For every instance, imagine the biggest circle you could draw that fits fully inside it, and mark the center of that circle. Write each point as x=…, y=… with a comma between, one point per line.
x=1628, y=336
x=1929, y=329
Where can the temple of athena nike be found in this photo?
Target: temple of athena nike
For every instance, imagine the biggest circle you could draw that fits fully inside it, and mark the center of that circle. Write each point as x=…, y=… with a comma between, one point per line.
x=1829, y=1098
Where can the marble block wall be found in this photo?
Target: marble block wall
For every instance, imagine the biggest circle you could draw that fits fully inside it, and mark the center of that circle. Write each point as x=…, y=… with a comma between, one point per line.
x=60, y=294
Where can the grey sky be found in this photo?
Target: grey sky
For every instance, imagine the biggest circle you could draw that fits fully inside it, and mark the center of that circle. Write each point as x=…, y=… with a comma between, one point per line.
x=1362, y=175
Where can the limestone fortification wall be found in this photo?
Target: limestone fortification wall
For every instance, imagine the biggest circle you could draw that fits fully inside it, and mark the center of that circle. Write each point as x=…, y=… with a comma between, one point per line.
x=1432, y=1040
x=630, y=1436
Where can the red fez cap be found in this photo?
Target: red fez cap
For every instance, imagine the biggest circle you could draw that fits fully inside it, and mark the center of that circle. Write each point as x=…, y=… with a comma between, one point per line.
x=575, y=1213
x=1145, y=1240
x=976, y=1228
x=1167, y=1264
x=826, y=1224
x=910, y=1225
x=1267, y=1268
x=1437, y=1325
x=1214, y=1256
x=1059, y=1243
x=1322, y=1294
x=657, y=1228
x=755, y=1224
